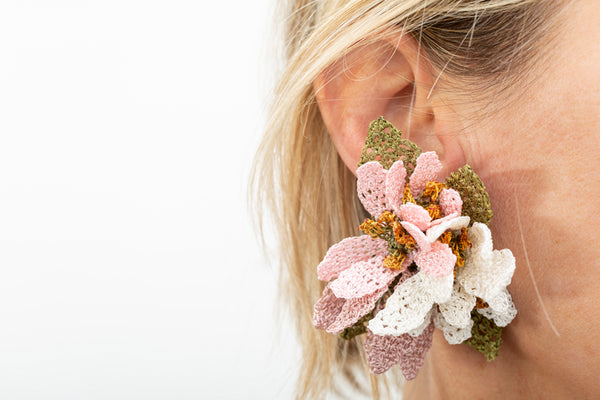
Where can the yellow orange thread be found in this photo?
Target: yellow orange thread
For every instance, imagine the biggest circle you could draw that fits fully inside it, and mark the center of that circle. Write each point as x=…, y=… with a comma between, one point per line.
x=434, y=211
x=446, y=237
x=479, y=303
x=407, y=196
x=398, y=231
x=433, y=189
x=463, y=240
x=394, y=262
x=460, y=261
x=407, y=241
x=387, y=218
x=403, y=238
x=372, y=228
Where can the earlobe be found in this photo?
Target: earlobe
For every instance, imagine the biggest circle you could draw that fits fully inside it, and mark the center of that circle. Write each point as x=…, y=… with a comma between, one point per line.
x=388, y=78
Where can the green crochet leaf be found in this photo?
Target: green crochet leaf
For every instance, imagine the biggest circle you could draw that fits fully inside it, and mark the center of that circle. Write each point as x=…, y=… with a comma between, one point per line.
x=476, y=201
x=485, y=336
x=385, y=144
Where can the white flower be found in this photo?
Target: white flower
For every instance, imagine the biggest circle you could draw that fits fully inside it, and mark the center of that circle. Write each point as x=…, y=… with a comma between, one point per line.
x=409, y=308
x=486, y=274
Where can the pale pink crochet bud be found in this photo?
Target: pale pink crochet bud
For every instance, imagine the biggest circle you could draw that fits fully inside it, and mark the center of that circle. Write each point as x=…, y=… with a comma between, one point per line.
x=450, y=202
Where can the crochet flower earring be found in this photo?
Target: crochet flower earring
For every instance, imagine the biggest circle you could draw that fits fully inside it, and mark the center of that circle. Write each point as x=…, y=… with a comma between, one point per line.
x=425, y=260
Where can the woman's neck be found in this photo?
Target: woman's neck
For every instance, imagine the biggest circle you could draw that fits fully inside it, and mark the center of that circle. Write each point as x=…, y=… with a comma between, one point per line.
x=459, y=372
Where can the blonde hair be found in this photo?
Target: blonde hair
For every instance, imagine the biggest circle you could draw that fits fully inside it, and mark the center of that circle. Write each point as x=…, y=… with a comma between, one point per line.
x=299, y=177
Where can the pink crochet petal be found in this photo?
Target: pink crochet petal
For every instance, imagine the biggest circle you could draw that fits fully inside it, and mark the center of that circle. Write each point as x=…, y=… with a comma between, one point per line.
x=394, y=185
x=414, y=353
x=363, y=278
x=327, y=309
x=415, y=214
x=347, y=252
x=427, y=168
x=437, y=262
x=371, y=187
x=354, y=309
x=419, y=236
x=450, y=202
x=383, y=352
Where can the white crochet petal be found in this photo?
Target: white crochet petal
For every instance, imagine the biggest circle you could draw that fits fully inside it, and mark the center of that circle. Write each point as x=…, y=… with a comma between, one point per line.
x=404, y=310
x=453, y=334
x=501, y=309
x=419, y=329
x=502, y=263
x=457, y=310
x=485, y=274
x=440, y=287
x=407, y=308
x=481, y=240
x=501, y=302
x=453, y=223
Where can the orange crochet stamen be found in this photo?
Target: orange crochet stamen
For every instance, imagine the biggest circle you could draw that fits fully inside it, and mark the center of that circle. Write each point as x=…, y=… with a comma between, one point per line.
x=434, y=211
x=394, y=262
x=463, y=240
x=460, y=261
x=480, y=303
x=372, y=228
x=387, y=218
x=446, y=237
x=403, y=238
x=398, y=231
x=433, y=189
x=408, y=241
x=407, y=196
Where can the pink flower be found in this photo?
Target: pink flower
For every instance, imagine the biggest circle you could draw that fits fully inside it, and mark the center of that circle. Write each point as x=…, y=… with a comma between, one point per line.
x=382, y=190
x=355, y=267
x=356, y=264
x=431, y=256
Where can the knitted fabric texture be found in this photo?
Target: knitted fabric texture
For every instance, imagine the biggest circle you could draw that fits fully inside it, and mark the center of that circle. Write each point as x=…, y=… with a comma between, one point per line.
x=383, y=352
x=428, y=166
x=363, y=278
x=355, y=293
x=347, y=252
x=476, y=201
x=426, y=260
x=385, y=144
x=485, y=337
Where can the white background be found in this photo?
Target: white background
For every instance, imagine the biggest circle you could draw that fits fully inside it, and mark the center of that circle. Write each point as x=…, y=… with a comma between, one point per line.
x=129, y=268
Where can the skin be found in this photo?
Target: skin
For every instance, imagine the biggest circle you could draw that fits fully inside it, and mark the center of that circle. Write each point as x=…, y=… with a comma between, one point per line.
x=539, y=156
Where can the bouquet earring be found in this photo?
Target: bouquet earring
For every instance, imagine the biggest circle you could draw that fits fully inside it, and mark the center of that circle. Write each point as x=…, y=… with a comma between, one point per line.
x=425, y=260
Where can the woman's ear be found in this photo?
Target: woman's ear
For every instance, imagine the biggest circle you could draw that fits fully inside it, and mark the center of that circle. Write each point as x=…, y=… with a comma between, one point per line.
x=392, y=78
